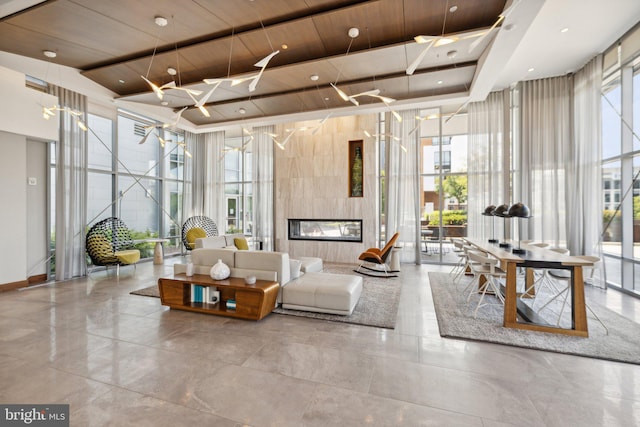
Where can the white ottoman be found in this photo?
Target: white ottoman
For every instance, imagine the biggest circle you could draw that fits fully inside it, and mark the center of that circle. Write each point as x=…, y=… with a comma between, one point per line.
x=323, y=293
x=310, y=264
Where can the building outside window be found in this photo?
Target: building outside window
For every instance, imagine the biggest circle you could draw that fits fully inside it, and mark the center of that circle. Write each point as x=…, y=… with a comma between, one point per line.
x=620, y=167
x=443, y=192
x=238, y=188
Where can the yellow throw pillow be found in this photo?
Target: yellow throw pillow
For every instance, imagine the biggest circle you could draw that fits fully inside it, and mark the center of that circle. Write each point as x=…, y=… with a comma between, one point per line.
x=193, y=234
x=241, y=243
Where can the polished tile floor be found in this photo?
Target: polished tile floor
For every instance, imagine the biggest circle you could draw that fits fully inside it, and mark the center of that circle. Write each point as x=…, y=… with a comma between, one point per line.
x=124, y=360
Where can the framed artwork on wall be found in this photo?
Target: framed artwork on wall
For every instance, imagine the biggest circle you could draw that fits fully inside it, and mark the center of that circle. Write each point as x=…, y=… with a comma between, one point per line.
x=356, y=168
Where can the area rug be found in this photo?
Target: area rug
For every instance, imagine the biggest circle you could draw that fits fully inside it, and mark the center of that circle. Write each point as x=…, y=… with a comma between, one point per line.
x=378, y=304
x=151, y=291
x=456, y=320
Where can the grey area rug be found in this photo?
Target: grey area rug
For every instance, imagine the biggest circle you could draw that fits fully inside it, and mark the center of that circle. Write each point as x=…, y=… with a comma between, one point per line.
x=455, y=320
x=378, y=304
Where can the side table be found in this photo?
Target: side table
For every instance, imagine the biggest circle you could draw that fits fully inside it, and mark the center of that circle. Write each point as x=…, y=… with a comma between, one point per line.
x=394, y=263
x=158, y=250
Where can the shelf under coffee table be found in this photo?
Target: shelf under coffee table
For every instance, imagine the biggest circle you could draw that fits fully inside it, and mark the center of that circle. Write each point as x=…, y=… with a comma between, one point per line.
x=253, y=302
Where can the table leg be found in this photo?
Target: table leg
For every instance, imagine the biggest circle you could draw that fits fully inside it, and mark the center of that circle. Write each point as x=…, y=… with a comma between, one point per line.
x=158, y=256
x=510, y=298
x=578, y=307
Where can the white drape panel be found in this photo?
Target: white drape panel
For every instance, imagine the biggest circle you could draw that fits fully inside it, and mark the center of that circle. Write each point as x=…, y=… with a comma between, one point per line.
x=193, y=190
x=487, y=176
x=584, y=200
x=403, y=185
x=71, y=186
x=206, y=195
x=544, y=157
x=262, y=184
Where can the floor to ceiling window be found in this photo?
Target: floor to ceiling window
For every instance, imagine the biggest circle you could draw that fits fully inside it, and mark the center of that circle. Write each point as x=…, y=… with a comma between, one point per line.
x=382, y=173
x=142, y=184
x=238, y=188
x=620, y=170
x=443, y=192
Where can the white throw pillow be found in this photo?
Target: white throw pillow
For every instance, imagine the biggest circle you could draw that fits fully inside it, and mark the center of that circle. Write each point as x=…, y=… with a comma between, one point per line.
x=295, y=265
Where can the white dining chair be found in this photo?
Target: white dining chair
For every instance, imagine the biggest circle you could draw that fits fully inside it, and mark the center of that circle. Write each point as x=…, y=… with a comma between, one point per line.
x=484, y=266
x=561, y=277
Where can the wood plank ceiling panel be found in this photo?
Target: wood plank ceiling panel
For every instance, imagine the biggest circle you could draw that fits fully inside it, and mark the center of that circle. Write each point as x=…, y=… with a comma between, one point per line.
x=300, y=36
x=187, y=19
x=433, y=17
x=383, y=19
x=65, y=20
x=23, y=42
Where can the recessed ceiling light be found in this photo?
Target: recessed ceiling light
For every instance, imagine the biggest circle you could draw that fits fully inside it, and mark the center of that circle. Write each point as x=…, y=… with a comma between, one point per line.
x=452, y=54
x=285, y=46
x=314, y=77
x=160, y=21
x=453, y=8
x=172, y=71
x=121, y=81
x=354, y=32
x=242, y=110
x=49, y=53
x=165, y=103
x=439, y=82
x=530, y=69
x=564, y=30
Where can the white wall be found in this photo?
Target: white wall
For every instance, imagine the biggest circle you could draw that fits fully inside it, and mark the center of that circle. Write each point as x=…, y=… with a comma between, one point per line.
x=20, y=117
x=37, y=235
x=13, y=244
x=21, y=108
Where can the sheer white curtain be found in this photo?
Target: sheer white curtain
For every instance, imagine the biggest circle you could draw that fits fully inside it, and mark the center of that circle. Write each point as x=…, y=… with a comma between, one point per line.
x=206, y=194
x=545, y=153
x=487, y=165
x=262, y=184
x=71, y=186
x=584, y=200
x=403, y=185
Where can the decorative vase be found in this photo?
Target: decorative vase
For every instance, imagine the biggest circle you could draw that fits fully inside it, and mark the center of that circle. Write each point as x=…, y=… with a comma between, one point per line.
x=190, y=269
x=356, y=174
x=219, y=271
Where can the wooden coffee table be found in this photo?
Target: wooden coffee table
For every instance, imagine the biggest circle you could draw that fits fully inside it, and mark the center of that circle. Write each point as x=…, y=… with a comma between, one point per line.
x=253, y=302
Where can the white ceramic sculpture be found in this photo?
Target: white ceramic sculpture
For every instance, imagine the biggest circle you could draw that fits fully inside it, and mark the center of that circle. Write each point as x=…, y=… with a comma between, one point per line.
x=219, y=271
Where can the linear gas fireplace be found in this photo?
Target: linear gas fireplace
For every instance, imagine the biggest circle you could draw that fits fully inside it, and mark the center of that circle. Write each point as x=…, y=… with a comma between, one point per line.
x=332, y=230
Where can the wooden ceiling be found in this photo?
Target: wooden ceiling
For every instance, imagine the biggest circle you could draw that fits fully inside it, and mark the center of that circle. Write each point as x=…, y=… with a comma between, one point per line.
x=116, y=42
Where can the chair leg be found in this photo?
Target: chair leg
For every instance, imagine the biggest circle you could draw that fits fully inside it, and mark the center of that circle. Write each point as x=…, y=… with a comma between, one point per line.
x=564, y=302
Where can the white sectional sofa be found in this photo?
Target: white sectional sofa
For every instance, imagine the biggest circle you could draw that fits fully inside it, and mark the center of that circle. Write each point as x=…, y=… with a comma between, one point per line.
x=218, y=242
x=311, y=289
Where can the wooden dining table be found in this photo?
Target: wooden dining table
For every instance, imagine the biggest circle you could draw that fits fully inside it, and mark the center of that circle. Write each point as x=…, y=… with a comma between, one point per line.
x=538, y=258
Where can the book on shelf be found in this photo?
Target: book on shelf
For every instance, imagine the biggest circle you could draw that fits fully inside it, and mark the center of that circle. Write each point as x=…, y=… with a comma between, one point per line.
x=231, y=304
